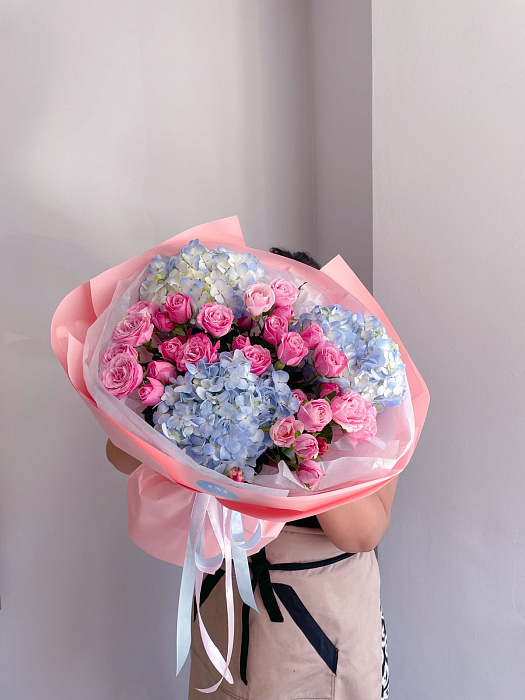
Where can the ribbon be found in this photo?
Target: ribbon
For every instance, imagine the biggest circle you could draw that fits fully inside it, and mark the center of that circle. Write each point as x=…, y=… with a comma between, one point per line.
x=229, y=532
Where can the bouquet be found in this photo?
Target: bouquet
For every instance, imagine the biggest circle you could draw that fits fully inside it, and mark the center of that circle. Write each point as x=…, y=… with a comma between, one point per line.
x=254, y=390
x=228, y=370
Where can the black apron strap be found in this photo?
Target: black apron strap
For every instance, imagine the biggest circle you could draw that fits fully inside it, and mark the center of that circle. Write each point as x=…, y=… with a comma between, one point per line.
x=261, y=567
x=308, y=626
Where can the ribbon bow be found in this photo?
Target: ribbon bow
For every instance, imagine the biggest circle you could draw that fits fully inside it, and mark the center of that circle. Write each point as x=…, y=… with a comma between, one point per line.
x=228, y=529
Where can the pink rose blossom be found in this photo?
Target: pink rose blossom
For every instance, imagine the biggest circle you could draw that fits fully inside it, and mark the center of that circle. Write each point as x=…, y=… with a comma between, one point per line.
x=291, y=349
x=274, y=329
x=283, y=431
x=119, y=349
x=136, y=329
x=258, y=298
x=329, y=360
x=216, y=319
x=310, y=473
x=313, y=335
x=315, y=415
x=284, y=311
x=244, y=323
x=235, y=473
x=259, y=357
x=161, y=370
x=240, y=342
x=163, y=322
x=144, y=307
x=121, y=376
x=300, y=395
x=349, y=410
x=369, y=428
x=169, y=348
x=329, y=388
x=198, y=347
x=178, y=308
x=356, y=415
x=151, y=394
x=305, y=446
x=323, y=446
x=286, y=292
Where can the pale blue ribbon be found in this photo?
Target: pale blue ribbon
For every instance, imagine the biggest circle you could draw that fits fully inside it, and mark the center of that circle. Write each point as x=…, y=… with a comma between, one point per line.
x=240, y=558
x=233, y=529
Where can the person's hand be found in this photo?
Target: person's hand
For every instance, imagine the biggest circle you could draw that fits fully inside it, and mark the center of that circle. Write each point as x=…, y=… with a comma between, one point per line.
x=121, y=460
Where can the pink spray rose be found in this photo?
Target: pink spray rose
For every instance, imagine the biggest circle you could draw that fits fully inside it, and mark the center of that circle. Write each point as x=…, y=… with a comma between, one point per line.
x=284, y=311
x=300, y=395
x=356, y=415
x=121, y=376
x=313, y=335
x=283, y=431
x=259, y=357
x=244, y=323
x=329, y=360
x=285, y=292
x=136, y=329
x=163, y=322
x=216, y=319
x=144, y=307
x=119, y=349
x=369, y=428
x=198, y=347
x=310, y=473
x=291, y=349
x=305, y=446
x=240, y=342
x=235, y=473
x=323, y=446
x=169, y=348
x=258, y=298
x=178, y=308
x=161, y=370
x=349, y=410
x=315, y=415
x=274, y=329
x=151, y=394
x=329, y=388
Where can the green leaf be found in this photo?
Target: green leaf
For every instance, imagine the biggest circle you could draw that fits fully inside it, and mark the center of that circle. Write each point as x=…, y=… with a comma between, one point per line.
x=327, y=433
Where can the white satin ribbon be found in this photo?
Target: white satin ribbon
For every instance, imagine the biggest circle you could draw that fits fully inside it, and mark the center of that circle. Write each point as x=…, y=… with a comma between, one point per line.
x=229, y=532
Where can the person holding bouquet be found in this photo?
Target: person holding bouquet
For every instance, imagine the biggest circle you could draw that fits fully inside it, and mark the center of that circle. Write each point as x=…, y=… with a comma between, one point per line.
x=326, y=637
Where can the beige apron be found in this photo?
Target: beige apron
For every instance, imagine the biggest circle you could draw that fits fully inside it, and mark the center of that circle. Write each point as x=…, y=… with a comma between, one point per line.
x=344, y=600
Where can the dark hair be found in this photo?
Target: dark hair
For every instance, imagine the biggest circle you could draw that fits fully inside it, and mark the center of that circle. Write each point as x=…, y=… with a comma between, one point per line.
x=300, y=255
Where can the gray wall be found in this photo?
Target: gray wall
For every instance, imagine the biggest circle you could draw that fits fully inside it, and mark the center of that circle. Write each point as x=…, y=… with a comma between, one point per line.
x=449, y=211
x=123, y=124
x=342, y=92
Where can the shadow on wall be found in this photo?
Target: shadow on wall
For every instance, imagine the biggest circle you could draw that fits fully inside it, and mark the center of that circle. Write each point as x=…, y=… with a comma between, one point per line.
x=86, y=613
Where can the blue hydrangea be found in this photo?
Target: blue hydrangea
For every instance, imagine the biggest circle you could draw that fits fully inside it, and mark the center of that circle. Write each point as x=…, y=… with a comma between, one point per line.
x=219, y=275
x=374, y=367
x=216, y=412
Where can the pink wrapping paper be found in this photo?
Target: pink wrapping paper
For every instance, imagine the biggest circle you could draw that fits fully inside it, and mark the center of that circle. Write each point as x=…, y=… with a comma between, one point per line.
x=161, y=491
